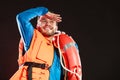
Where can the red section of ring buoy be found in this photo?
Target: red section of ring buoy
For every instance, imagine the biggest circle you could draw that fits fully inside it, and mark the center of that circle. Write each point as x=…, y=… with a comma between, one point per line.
x=70, y=56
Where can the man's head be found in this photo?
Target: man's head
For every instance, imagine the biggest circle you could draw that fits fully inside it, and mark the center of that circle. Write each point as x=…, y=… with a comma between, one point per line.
x=48, y=23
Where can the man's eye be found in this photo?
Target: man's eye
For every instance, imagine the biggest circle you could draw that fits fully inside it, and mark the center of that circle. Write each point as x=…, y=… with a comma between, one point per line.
x=52, y=21
x=43, y=21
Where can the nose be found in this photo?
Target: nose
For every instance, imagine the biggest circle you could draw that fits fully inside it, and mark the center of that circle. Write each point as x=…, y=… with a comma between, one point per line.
x=47, y=23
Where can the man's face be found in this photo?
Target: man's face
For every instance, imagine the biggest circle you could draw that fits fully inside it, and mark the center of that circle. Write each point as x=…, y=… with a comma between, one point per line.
x=47, y=26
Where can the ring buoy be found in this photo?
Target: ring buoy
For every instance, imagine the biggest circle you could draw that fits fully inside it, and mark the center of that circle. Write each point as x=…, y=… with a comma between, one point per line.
x=70, y=54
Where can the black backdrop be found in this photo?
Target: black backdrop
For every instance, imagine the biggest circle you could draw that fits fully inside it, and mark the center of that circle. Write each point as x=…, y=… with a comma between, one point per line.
x=93, y=24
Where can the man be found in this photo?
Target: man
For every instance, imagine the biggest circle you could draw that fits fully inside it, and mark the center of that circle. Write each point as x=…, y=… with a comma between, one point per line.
x=40, y=48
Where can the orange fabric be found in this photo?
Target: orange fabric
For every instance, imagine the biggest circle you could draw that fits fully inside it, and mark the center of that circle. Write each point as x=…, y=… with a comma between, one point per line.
x=41, y=51
x=20, y=57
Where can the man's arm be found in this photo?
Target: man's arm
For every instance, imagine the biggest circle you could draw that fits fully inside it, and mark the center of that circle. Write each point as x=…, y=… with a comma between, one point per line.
x=24, y=25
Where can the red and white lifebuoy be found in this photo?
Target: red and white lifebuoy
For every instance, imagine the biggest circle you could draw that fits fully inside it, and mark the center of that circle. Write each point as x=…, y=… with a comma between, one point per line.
x=70, y=54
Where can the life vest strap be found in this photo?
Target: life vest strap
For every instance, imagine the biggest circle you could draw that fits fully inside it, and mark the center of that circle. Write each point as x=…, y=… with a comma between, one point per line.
x=37, y=65
x=33, y=64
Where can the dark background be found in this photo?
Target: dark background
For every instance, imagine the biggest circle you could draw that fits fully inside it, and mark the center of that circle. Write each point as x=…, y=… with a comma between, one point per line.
x=93, y=24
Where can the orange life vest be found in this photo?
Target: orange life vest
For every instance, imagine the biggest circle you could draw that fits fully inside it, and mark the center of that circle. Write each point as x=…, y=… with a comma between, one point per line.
x=41, y=51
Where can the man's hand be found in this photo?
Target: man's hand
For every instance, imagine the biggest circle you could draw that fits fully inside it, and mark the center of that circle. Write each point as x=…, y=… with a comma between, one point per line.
x=53, y=16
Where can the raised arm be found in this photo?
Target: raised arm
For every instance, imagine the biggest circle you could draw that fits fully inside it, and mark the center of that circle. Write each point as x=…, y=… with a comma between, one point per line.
x=25, y=27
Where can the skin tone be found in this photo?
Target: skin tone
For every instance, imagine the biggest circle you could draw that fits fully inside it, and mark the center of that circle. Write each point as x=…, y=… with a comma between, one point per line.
x=47, y=24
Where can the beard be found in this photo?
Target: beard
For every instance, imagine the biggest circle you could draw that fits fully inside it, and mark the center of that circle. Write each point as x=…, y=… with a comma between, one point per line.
x=47, y=31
